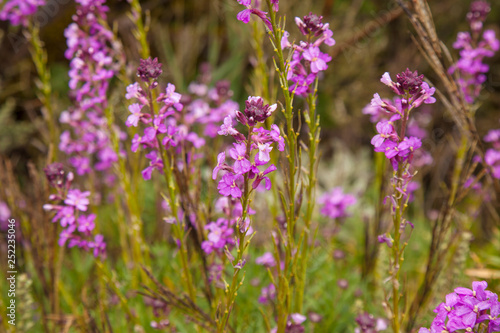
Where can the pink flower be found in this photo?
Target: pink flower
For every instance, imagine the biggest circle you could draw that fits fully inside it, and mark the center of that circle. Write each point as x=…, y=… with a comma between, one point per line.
x=267, y=260
x=318, y=60
x=78, y=199
x=86, y=223
x=227, y=128
x=228, y=187
x=133, y=119
x=239, y=154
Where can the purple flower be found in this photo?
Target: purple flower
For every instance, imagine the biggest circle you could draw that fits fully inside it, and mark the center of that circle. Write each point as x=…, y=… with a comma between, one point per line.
x=227, y=128
x=257, y=111
x=335, y=203
x=65, y=216
x=155, y=163
x=244, y=15
x=384, y=238
x=19, y=11
x=98, y=245
x=86, y=223
x=78, y=199
x=65, y=235
x=220, y=234
x=466, y=308
x=149, y=69
x=385, y=130
x=220, y=165
x=228, y=187
x=262, y=176
x=170, y=97
x=267, y=260
x=267, y=294
x=318, y=60
x=264, y=150
x=239, y=154
x=133, y=119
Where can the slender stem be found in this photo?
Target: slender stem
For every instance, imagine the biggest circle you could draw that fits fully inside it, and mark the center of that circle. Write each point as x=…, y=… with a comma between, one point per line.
x=174, y=204
x=231, y=290
x=39, y=57
x=312, y=122
x=284, y=296
x=141, y=31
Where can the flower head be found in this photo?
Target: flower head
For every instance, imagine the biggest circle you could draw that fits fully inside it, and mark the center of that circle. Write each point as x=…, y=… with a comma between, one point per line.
x=257, y=111
x=149, y=69
x=409, y=81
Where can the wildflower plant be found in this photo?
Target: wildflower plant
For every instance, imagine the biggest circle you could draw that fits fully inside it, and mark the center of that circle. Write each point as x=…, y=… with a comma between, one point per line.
x=399, y=149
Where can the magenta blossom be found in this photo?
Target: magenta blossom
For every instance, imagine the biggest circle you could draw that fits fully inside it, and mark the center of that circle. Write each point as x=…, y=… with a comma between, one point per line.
x=335, y=203
x=78, y=199
x=228, y=187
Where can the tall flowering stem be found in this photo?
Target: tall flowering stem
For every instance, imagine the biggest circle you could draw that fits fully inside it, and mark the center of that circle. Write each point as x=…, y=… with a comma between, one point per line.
x=284, y=292
x=302, y=69
x=241, y=179
x=399, y=149
x=158, y=138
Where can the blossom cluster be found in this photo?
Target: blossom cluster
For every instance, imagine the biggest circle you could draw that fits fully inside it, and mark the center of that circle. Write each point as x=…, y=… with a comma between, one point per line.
x=70, y=211
x=179, y=117
x=492, y=155
x=19, y=12
x=468, y=310
x=397, y=147
x=307, y=60
x=221, y=232
x=470, y=66
x=335, y=203
x=92, y=51
x=258, y=140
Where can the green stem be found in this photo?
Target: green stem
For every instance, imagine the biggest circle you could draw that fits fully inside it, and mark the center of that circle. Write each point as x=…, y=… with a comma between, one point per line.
x=141, y=31
x=232, y=290
x=284, y=299
x=312, y=122
x=174, y=204
x=39, y=56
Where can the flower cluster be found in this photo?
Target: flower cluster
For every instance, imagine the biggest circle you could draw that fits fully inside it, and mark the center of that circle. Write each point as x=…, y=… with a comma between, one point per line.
x=399, y=148
x=71, y=210
x=258, y=139
x=92, y=51
x=369, y=324
x=470, y=67
x=267, y=294
x=18, y=12
x=220, y=235
x=244, y=15
x=307, y=60
x=335, y=203
x=468, y=310
x=179, y=117
x=161, y=128
x=492, y=155
x=208, y=106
